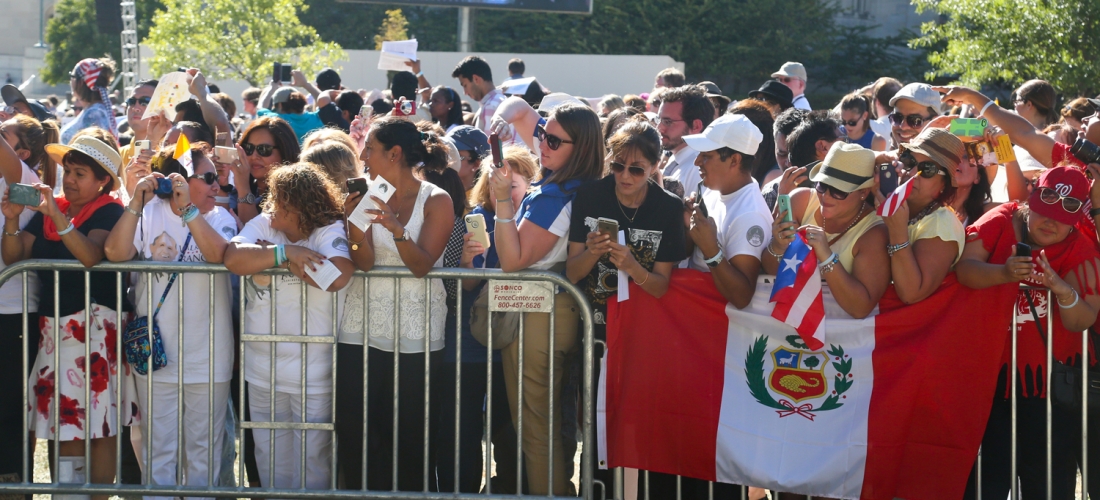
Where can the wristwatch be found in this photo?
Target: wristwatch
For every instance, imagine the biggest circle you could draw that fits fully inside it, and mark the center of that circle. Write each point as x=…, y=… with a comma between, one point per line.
x=404, y=236
x=717, y=259
x=249, y=199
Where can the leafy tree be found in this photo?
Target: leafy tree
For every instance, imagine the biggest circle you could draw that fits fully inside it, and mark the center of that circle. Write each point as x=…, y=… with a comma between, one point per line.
x=237, y=38
x=394, y=28
x=351, y=24
x=993, y=41
x=72, y=35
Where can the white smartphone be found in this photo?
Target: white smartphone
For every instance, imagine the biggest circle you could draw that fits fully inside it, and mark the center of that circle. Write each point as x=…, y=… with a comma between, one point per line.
x=475, y=225
x=140, y=146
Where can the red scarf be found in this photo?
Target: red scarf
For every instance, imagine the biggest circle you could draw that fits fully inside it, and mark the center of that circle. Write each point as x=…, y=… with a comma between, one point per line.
x=49, y=229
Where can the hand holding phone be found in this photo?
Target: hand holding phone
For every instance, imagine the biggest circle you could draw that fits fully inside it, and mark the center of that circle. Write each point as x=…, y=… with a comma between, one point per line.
x=887, y=179
x=357, y=186
x=699, y=200
x=783, y=206
x=475, y=225
x=609, y=227
x=24, y=194
x=494, y=146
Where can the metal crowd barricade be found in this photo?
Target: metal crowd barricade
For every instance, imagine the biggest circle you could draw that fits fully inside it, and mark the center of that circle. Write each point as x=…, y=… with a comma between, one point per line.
x=211, y=270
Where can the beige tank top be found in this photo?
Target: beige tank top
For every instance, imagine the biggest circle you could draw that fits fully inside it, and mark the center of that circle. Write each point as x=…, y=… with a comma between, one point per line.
x=843, y=246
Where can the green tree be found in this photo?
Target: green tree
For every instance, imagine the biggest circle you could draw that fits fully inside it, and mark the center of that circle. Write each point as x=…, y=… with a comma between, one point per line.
x=349, y=24
x=237, y=38
x=72, y=35
x=997, y=41
x=394, y=28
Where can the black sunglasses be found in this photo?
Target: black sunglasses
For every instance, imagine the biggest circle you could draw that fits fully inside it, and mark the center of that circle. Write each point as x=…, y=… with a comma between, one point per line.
x=852, y=123
x=926, y=169
x=552, y=141
x=914, y=121
x=209, y=178
x=144, y=101
x=618, y=168
x=263, y=150
x=835, y=193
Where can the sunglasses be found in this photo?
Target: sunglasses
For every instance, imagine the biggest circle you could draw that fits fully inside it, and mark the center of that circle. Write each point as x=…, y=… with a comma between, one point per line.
x=914, y=121
x=786, y=79
x=852, y=123
x=552, y=141
x=134, y=101
x=834, y=193
x=618, y=168
x=926, y=169
x=209, y=178
x=1050, y=197
x=263, y=150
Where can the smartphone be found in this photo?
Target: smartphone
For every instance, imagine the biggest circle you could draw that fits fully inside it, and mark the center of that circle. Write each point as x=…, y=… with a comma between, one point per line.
x=1023, y=250
x=494, y=146
x=222, y=139
x=286, y=77
x=365, y=111
x=277, y=73
x=475, y=225
x=968, y=127
x=357, y=186
x=609, y=227
x=225, y=154
x=24, y=194
x=164, y=188
x=699, y=200
x=783, y=203
x=887, y=179
x=140, y=146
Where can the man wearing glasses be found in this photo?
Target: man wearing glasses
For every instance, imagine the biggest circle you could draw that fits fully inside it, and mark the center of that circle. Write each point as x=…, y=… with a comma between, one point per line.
x=684, y=110
x=793, y=75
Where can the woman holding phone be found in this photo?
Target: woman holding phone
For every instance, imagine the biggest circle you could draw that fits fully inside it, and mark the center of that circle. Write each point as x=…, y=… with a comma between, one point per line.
x=267, y=142
x=1064, y=261
x=534, y=235
x=196, y=230
x=409, y=229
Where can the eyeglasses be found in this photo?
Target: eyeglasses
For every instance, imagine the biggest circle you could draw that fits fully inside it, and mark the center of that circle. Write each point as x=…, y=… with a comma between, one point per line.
x=926, y=169
x=786, y=79
x=552, y=141
x=666, y=122
x=1050, y=197
x=618, y=168
x=209, y=178
x=10, y=110
x=834, y=193
x=914, y=121
x=472, y=158
x=133, y=101
x=263, y=150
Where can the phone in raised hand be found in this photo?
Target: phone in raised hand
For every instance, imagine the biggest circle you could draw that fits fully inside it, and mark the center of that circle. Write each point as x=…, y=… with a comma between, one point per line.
x=783, y=206
x=494, y=146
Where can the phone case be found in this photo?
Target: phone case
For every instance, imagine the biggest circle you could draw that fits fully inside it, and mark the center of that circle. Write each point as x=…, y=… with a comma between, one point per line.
x=783, y=203
x=475, y=225
x=608, y=226
x=494, y=146
x=23, y=194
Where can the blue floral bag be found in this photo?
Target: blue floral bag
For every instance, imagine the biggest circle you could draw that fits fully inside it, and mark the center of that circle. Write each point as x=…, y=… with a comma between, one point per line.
x=136, y=339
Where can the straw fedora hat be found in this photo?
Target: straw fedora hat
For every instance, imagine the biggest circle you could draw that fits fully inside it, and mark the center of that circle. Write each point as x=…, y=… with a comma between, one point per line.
x=941, y=147
x=104, y=155
x=847, y=167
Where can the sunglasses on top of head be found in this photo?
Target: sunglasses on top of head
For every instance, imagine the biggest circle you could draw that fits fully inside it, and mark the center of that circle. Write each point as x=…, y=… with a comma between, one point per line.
x=1050, y=197
x=209, y=178
x=914, y=121
x=263, y=150
x=618, y=168
x=833, y=192
x=552, y=141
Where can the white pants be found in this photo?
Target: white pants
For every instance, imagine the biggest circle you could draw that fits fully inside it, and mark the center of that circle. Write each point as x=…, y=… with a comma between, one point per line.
x=196, y=431
x=287, y=447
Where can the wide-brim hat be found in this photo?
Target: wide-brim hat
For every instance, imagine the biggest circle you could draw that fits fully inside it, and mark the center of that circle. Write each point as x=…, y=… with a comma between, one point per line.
x=940, y=146
x=846, y=167
x=104, y=155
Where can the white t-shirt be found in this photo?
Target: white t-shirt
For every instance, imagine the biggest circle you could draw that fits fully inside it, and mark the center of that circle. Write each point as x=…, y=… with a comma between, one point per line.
x=682, y=168
x=164, y=235
x=330, y=241
x=744, y=223
x=11, y=294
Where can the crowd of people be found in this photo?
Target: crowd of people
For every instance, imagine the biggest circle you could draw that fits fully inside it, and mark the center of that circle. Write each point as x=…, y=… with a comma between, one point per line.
x=693, y=178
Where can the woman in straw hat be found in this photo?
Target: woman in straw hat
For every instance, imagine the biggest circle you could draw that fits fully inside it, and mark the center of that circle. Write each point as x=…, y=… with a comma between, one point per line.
x=926, y=238
x=75, y=226
x=839, y=223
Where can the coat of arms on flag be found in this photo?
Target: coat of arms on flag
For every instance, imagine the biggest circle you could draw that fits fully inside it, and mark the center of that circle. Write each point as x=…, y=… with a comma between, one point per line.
x=797, y=375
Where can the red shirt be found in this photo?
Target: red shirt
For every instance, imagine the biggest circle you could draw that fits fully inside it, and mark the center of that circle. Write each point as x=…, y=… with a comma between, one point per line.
x=1060, y=153
x=1067, y=257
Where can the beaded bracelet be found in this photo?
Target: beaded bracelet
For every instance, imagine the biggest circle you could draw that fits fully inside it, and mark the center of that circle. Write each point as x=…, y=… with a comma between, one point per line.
x=190, y=213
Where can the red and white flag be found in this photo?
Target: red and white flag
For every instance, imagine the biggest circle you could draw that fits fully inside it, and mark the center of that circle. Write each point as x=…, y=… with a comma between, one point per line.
x=894, y=406
x=894, y=201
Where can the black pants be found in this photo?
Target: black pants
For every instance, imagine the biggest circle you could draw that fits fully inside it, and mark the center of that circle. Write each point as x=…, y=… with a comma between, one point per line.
x=1031, y=453
x=380, y=409
x=12, y=381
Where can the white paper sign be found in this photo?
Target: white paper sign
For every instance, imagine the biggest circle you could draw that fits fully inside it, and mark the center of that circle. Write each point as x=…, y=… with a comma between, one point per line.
x=326, y=273
x=520, y=296
x=379, y=188
x=171, y=91
x=624, y=283
x=395, y=54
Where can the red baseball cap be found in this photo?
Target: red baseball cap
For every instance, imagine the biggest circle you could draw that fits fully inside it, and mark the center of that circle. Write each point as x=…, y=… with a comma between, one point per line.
x=1067, y=182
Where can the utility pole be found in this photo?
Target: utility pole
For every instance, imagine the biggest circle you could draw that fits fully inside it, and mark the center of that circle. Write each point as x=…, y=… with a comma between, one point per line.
x=465, y=26
x=41, y=24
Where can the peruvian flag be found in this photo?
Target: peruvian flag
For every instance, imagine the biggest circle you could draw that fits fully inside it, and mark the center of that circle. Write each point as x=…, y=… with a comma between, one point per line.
x=894, y=405
x=893, y=202
x=797, y=293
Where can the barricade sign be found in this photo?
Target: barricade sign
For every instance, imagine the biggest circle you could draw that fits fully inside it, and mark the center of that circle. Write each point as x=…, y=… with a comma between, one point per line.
x=520, y=296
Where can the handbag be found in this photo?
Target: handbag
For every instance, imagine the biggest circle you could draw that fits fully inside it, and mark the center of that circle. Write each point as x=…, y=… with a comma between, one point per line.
x=1066, y=381
x=138, y=346
x=505, y=324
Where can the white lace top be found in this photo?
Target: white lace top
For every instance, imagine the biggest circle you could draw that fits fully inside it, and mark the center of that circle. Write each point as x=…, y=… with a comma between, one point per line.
x=412, y=302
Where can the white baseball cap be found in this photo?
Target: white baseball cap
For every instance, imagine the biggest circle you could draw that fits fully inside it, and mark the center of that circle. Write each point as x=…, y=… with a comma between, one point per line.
x=728, y=131
x=920, y=93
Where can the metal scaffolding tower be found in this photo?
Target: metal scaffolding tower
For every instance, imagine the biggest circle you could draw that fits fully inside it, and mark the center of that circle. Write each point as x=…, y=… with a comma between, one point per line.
x=130, y=59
